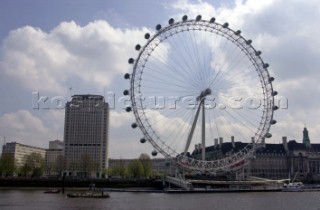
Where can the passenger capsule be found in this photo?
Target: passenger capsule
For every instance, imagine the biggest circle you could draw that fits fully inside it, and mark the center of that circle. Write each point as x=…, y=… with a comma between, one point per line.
x=274, y=93
x=142, y=140
x=225, y=25
x=128, y=109
x=131, y=60
x=271, y=79
x=207, y=91
x=265, y=65
x=171, y=21
x=138, y=47
x=147, y=36
x=258, y=53
x=134, y=125
x=154, y=153
x=126, y=92
x=238, y=32
x=268, y=135
x=198, y=18
x=184, y=18
x=275, y=108
x=127, y=76
x=158, y=27
x=248, y=42
x=272, y=122
x=212, y=20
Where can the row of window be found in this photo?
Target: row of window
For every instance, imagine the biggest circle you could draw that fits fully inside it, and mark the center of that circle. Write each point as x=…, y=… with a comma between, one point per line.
x=85, y=145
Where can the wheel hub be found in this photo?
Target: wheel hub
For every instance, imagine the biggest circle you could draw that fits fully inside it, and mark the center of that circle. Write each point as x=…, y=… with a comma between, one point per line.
x=203, y=94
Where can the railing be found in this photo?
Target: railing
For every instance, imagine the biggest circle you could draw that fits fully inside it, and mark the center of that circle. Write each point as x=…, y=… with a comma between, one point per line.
x=179, y=182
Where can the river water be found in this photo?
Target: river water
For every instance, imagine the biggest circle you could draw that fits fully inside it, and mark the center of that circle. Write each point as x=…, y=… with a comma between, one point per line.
x=36, y=200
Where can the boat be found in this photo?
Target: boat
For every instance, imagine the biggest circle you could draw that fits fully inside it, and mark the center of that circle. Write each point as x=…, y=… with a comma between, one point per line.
x=89, y=195
x=53, y=191
x=293, y=187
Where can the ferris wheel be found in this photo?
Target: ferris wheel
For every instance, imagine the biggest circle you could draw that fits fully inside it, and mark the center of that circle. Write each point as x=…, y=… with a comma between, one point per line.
x=197, y=82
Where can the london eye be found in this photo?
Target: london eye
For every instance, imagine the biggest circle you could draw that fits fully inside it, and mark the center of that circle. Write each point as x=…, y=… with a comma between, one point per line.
x=195, y=82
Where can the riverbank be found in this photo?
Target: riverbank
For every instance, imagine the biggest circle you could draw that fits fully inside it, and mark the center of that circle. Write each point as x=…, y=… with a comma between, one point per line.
x=38, y=183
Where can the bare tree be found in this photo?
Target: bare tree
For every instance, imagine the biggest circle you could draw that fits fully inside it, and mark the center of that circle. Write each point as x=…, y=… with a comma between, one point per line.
x=146, y=165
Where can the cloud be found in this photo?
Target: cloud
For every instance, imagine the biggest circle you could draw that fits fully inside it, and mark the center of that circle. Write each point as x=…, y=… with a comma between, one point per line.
x=124, y=142
x=53, y=118
x=119, y=119
x=92, y=55
x=23, y=127
x=193, y=9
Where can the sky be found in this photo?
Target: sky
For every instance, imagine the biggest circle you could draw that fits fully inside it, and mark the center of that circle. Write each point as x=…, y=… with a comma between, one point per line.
x=58, y=48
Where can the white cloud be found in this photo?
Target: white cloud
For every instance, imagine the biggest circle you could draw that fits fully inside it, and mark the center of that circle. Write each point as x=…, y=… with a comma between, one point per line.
x=25, y=128
x=32, y=59
x=124, y=142
x=192, y=10
x=53, y=118
x=92, y=55
x=120, y=119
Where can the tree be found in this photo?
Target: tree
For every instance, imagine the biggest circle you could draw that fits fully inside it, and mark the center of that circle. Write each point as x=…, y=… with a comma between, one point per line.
x=61, y=164
x=122, y=168
x=118, y=171
x=87, y=164
x=50, y=167
x=7, y=165
x=25, y=170
x=33, y=166
x=105, y=173
x=146, y=165
x=135, y=168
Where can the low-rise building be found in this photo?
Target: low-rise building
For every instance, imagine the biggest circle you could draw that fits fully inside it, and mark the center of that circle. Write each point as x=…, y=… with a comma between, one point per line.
x=21, y=151
x=56, y=144
x=54, y=159
x=273, y=161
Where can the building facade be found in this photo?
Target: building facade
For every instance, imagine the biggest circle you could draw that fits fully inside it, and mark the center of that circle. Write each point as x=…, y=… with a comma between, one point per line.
x=54, y=159
x=21, y=151
x=86, y=135
x=300, y=161
x=56, y=144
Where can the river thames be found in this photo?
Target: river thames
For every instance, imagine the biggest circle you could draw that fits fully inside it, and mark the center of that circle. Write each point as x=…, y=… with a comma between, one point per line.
x=37, y=200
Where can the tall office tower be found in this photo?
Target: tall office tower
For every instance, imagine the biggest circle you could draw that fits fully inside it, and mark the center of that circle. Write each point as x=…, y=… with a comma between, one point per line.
x=86, y=135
